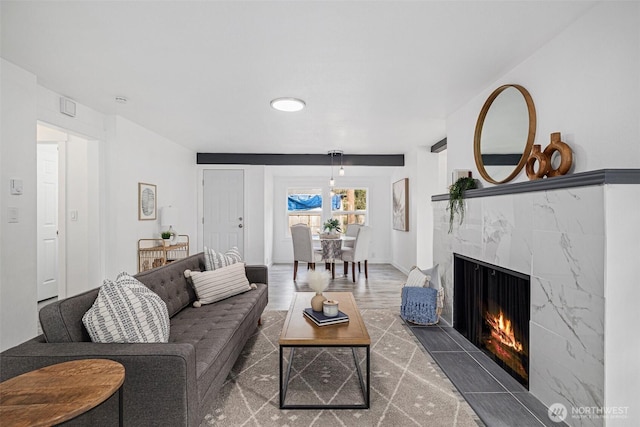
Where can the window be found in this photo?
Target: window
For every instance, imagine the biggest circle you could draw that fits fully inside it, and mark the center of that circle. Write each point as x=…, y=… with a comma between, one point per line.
x=304, y=205
x=351, y=206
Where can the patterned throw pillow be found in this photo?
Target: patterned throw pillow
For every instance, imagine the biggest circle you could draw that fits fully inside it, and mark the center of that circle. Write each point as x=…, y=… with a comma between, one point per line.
x=417, y=278
x=216, y=285
x=126, y=311
x=214, y=260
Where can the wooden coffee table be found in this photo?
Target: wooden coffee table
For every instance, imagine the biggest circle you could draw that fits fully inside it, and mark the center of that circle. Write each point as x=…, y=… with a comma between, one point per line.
x=298, y=331
x=58, y=393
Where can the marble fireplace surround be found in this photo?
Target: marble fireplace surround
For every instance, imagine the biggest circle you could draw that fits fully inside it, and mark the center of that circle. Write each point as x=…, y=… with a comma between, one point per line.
x=555, y=231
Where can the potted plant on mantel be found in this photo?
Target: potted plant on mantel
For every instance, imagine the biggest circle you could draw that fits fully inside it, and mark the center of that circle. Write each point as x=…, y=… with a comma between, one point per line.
x=456, y=198
x=166, y=238
x=332, y=226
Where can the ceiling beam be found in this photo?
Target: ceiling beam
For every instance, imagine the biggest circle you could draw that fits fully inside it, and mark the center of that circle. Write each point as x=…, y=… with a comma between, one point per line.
x=299, y=159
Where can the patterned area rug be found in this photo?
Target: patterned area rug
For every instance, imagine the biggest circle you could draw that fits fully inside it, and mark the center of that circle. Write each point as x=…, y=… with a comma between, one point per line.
x=407, y=386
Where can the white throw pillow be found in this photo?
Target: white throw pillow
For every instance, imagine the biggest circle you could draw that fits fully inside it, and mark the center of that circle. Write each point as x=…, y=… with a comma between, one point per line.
x=212, y=286
x=417, y=278
x=214, y=260
x=126, y=311
x=434, y=281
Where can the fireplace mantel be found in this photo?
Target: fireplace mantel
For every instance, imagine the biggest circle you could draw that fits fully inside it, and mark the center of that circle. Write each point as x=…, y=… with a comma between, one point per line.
x=583, y=179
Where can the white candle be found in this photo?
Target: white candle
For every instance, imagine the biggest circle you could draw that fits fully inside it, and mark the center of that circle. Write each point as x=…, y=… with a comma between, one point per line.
x=330, y=308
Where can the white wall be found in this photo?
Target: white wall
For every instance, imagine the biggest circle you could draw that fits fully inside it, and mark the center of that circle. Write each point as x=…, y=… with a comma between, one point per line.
x=268, y=199
x=404, y=243
x=135, y=154
x=83, y=256
x=376, y=179
x=585, y=84
x=18, y=292
x=429, y=178
x=621, y=348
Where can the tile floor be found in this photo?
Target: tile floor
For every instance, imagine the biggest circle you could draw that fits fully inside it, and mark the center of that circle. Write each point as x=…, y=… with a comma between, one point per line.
x=497, y=398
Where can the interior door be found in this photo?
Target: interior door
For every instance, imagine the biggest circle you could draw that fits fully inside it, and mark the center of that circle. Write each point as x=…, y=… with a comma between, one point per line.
x=223, y=225
x=47, y=215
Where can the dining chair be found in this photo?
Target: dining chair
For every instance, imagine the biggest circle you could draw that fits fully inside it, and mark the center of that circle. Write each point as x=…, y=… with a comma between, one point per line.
x=359, y=253
x=352, y=231
x=303, y=248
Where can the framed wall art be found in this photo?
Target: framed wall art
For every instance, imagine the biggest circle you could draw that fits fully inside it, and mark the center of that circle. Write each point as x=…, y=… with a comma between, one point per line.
x=147, y=201
x=401, y=205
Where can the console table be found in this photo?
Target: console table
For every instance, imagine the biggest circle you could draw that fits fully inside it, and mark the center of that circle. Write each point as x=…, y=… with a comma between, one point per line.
x=154, y=253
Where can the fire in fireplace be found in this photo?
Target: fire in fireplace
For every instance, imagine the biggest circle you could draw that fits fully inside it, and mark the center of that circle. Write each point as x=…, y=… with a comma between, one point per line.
x=492, y=310
x=503, y=343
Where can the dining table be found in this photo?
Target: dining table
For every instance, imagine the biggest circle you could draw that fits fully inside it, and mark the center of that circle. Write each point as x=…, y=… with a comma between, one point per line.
x=332, y=249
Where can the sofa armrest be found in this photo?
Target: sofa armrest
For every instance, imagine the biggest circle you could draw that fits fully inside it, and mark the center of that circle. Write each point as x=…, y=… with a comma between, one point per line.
x=257, y=273
x=160, y=379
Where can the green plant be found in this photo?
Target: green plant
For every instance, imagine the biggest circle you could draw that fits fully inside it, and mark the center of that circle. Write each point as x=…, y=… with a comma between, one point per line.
x=332, y=224
x=166, y=235
x=456, y=196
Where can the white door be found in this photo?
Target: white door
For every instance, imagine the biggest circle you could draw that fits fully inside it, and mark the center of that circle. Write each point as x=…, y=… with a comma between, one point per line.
x=47, y=274
x=223, y=224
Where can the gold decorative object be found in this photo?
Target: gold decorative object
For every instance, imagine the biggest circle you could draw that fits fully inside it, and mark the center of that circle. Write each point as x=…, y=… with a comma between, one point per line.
x=545, y=167
x=566, y=155
x=543, y=164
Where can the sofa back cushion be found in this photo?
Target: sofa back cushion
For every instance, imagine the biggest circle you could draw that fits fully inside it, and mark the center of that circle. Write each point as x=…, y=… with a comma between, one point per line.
x=62, y=320
x=169, y=282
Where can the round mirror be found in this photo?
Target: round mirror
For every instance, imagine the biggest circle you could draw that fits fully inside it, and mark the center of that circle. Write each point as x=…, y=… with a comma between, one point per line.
x=504, y=133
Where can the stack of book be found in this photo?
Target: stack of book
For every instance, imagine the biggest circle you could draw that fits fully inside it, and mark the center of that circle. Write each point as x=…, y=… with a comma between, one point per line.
x=321, y=320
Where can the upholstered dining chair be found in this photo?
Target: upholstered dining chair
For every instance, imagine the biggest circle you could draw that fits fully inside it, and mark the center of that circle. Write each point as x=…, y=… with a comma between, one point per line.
x=303, y=248
x=352, y=231
x=359, y=253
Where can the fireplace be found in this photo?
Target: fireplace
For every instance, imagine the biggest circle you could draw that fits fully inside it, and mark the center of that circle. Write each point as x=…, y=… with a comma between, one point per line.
x=492, y=310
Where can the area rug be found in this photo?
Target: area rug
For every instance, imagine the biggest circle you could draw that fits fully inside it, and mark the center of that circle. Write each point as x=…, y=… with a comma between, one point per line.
x=407, y=386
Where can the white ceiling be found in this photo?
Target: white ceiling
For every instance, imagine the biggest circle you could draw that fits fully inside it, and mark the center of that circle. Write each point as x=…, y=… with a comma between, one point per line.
x=378, y=77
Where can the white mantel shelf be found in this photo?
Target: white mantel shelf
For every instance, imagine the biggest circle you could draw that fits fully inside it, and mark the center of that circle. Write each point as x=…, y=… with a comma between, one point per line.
x=582, y=179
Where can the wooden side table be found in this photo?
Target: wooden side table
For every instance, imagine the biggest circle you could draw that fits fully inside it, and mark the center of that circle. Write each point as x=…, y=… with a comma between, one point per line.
x=58, y=393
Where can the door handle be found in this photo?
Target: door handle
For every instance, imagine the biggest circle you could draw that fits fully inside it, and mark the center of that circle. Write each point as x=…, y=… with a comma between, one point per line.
x=239, y=225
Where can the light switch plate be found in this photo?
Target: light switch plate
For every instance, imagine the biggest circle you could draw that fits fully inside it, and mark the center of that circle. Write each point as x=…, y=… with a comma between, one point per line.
x=13, y=215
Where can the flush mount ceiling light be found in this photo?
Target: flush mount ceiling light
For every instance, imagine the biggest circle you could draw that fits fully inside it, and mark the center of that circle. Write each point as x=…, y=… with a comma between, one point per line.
x=288, y=104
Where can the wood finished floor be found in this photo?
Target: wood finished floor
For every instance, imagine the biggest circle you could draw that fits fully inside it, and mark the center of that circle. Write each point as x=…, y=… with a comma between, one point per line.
x=381, y=290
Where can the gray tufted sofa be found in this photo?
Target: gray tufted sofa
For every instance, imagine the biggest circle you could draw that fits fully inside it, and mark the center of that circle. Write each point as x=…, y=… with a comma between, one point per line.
x=168, y=384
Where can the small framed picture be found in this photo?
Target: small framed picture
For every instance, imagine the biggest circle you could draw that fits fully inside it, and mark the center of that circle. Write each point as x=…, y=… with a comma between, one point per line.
x=147, y=201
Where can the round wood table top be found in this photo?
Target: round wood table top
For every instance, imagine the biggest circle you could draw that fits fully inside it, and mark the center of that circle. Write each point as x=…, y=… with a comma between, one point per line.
x=58, y=393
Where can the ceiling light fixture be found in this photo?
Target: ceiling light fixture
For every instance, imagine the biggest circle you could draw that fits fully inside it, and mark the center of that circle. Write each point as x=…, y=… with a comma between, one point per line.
x=289, y=105
x=334, y=153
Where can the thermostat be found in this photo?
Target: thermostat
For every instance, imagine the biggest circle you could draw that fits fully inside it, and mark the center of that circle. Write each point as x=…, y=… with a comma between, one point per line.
x=16, y=186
